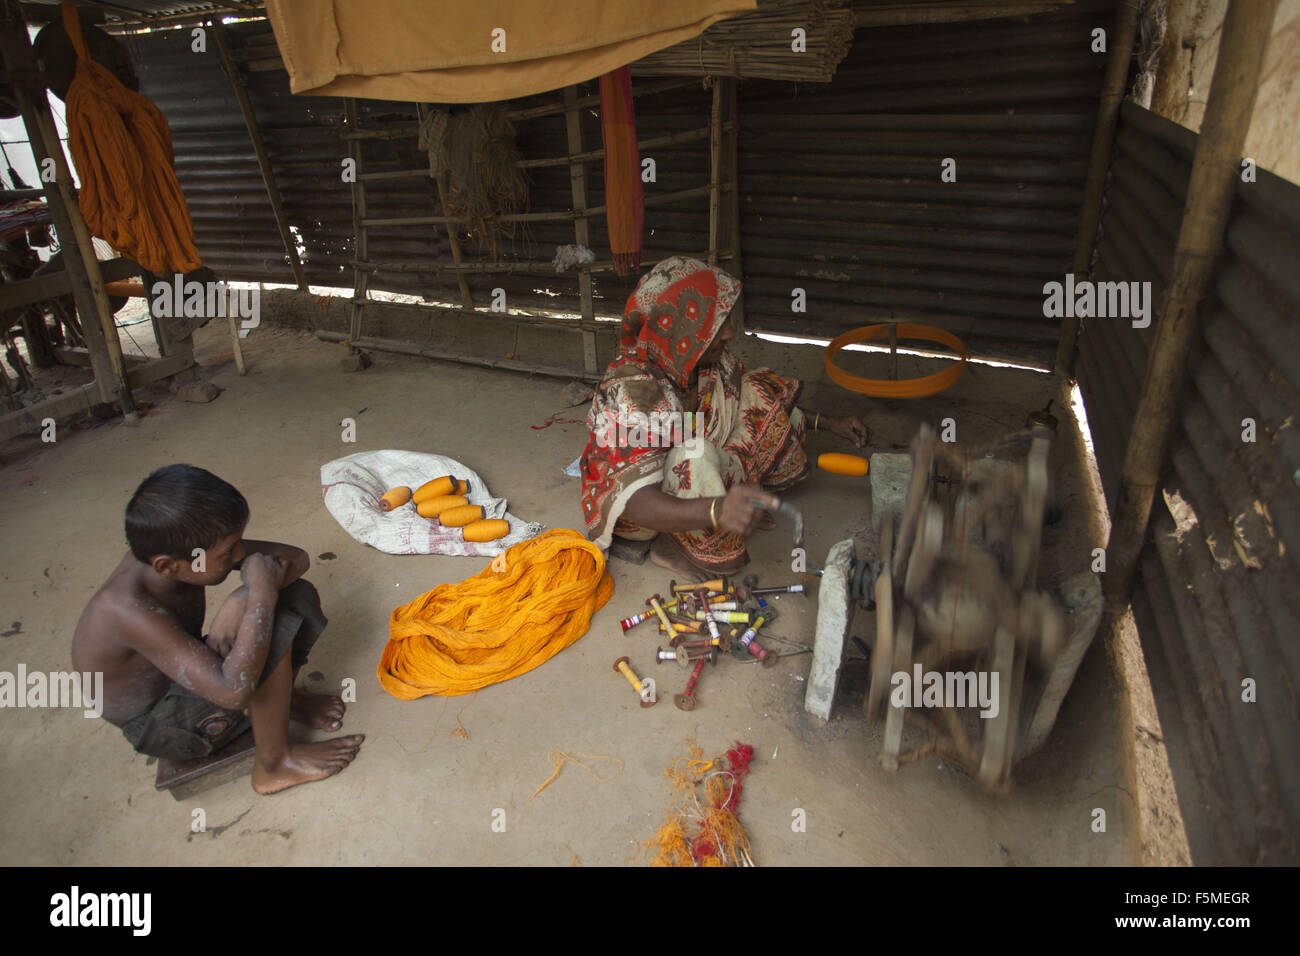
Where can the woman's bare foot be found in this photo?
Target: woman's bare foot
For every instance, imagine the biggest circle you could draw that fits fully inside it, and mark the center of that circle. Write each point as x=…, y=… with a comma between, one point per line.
x=667, y=554
x=305, y=763
x=318, y=711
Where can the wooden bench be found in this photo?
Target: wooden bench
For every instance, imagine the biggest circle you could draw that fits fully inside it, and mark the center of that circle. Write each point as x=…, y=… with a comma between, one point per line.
x=187, y=778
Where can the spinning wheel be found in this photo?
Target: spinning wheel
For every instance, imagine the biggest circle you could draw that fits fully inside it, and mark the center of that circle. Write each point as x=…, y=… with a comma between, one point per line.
x=889, y=388
x=958, y=591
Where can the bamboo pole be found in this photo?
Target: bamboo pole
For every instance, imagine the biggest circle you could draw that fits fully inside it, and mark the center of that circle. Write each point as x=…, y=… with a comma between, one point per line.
x=649, y=89
x=581, y=225
x=955, y=11
x=731, y=127
x=231, y=70
x=557, y=161
x=589, y=156
x=503, y=267
x=98, y=326
x=361, y=278
x=406, y=130
x=1246, y=29
x=193, y=17
x=596, y=155
x=715, y=170
x=399, y=347
x=662, y=199
x=1103, y=140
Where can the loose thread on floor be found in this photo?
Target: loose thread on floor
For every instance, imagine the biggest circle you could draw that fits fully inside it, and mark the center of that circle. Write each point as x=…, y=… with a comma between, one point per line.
x=429, y=743
x=560, y=758
x=708, y=832
x=459, y=730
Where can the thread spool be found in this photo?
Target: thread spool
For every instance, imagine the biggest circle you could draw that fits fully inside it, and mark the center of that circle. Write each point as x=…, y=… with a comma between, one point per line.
x=747, y=640
x=643, y=689
x=717, y=584
x=686, y=701
x=663, y=657
x=838, y=463
x=658, y=609
x=699, y=652
x=788, y=589
x=721, y=642
x=725, y=617
x=713, y=624
x=686, y=637
x=630, y=622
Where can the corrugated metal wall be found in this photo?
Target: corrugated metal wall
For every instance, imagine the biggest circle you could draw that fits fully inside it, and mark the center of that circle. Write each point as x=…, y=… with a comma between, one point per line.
x=841, y=192
x=233, y=222
x=1216, y=603
x=841, y=189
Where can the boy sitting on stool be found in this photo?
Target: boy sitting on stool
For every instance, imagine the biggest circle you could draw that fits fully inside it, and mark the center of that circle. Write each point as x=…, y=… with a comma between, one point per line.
x=176, y=694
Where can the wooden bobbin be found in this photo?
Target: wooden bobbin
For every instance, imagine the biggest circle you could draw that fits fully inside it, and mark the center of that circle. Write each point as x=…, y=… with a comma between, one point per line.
x=621, y=665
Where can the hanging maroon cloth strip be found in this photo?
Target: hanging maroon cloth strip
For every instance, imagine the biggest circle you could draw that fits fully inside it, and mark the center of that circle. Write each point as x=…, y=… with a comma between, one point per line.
x=624, y=200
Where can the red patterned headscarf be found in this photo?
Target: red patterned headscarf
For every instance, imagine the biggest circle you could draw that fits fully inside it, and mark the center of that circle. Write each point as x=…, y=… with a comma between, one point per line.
x=673, y=316
x=671, y=320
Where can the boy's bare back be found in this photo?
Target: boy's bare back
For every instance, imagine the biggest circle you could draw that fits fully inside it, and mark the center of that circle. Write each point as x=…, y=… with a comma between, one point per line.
x=144, y=631
x=116, y=620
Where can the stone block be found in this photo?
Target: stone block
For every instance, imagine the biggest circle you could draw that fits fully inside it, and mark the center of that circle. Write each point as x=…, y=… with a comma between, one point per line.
x=834, y=614
x=198, y=392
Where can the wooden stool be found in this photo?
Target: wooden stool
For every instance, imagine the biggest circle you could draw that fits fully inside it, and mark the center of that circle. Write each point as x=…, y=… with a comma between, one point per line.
x=186, y=778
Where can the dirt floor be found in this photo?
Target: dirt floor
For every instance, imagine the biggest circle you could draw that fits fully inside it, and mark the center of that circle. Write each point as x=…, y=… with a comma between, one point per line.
x=435, y=774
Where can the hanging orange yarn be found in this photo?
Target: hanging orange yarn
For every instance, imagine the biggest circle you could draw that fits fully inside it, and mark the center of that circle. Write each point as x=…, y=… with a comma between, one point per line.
x=496, y=625
x=122, y=147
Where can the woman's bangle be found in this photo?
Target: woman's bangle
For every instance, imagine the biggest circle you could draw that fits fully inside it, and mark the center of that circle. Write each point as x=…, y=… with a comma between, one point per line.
x=817, y=423
x=713, y=507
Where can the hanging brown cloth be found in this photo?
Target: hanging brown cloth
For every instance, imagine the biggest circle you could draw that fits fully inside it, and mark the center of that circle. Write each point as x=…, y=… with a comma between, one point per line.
x=482, y=52
x=624, y=199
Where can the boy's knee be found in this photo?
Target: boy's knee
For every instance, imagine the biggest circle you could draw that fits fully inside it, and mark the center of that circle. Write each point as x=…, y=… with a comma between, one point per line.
x=301, y=596
x=301, y=589
x=235, y=602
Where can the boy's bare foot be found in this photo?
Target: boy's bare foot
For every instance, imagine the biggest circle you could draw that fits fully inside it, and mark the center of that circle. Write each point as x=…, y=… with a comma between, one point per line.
x=305, y=763
x=319, y=711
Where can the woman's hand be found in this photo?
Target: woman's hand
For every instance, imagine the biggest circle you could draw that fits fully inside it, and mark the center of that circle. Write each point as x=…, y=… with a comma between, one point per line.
x=736, y=515
x=850, y=428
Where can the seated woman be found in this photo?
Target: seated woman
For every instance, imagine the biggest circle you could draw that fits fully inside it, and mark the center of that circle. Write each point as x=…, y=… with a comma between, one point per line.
x=653, y=470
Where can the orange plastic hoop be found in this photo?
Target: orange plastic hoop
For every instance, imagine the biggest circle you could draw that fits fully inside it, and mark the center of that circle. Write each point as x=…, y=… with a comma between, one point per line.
x=885, y=388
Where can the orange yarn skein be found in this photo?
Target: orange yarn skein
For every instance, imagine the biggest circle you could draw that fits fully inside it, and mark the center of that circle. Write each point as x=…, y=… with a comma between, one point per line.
x=496, y=625
x=122, y=147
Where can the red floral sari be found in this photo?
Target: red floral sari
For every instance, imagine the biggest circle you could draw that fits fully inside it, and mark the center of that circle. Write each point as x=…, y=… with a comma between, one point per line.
x=745, y=430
